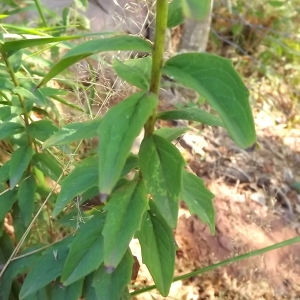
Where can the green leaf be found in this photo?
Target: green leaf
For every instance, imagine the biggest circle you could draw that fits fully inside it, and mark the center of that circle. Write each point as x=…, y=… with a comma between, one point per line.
x=196, y=9
x=41, y=130
x=86, y=251
x=191, y=114
x=83, y=177
x=115, y=43
x=73, y=291
x=81, y=4
x=9, y=112
x=111, y=286
x=117, y=132
x=4, y=171
x=7, y=199
x=31, y=94
x=8, y=129
x=16, y=267
x=73, y=132
x=6, y=84
x=198, y=199
x=89, y=292
x=50, y=92
x=46, y=269
x=170, y=134
x=15, y=60
x=48, y=165
x=131, y=163
x=175, y=14
x=26, y=197
x=276, y=3
x=135, y=71
x=158, y=248
x=161, y=165
x=125, y=211
x=19, y=161
x=12, y=46
x=214, y=78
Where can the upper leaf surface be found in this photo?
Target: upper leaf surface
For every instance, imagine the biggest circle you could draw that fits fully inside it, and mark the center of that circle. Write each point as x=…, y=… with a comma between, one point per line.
x=12, y=46
x=47, y=268
x=125, y=211
x=110, y=286
x=9, y=128
x=158, y=248
x=196, y=9
x=191, y=114
x=175, y=13
x=83, y=177
x=135, y=71
x=214, y=78
x=86, y=251
x=115, y=43
x=19, y=161
x=73, y=132
x=117, y=132
x=161, y=165
x=198, y=199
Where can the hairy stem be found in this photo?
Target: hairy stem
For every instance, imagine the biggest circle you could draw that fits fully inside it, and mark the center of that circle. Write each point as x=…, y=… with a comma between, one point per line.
x=157, y=56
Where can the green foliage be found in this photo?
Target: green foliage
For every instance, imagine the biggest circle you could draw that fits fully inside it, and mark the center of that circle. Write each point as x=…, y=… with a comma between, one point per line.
x=42, y=177
x=226, y=93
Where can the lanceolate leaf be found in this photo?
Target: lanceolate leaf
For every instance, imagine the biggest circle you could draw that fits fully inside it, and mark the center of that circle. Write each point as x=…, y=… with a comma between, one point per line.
x=115, y=43
x=19, y=161
x=196, y=9
x=73, y=132
x=46, y=269
x=73, y=291
x=158, y=248
x=86, y=250
x=198, y=199
x=175, y=13
x=117, y=131
x=16, y=267
x=125, y=211
x=12, y=46
x=26, y=197
x=214, y=78
x=15, y=60
x=83, y=177
x=191, y=114
x=7, y=199
x=135, y=71
x=41, y=130
x=6, y=84
x=111, y=286
x=161, y=165
x=48, y=165
x=170, y=134
x=9, y=128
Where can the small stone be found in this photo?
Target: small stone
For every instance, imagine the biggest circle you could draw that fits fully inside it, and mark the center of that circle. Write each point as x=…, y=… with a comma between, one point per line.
x=259, y=198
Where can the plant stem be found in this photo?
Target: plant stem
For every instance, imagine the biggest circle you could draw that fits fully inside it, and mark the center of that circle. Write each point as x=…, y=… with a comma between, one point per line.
x=16, y=84
x=224, y=263
x=39, y=8
x=157, y=56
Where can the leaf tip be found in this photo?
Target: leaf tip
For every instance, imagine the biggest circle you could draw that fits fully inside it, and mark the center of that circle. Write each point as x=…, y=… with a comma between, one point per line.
x=103, y=197
x=109, y=269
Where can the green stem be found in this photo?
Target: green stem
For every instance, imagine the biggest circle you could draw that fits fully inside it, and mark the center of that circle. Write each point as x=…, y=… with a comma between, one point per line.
x=224, y=263
x=21, y=99
x=16, y=84
x=42, y=16
x=157, y=56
